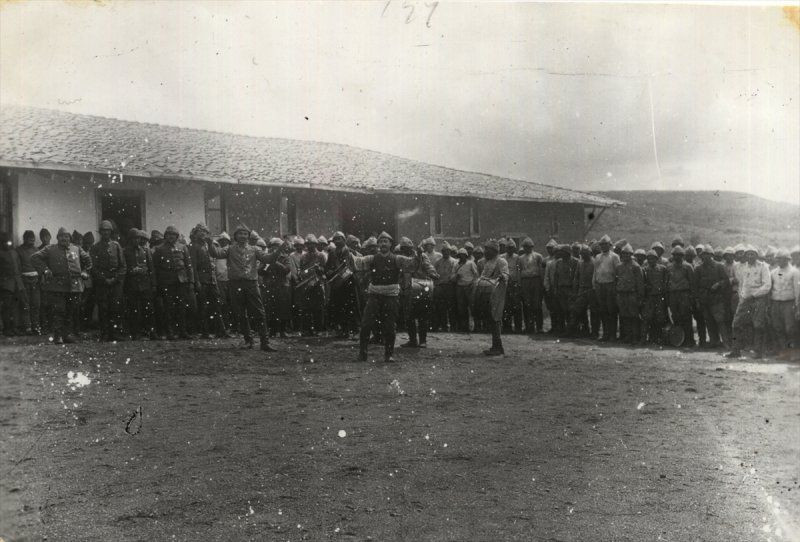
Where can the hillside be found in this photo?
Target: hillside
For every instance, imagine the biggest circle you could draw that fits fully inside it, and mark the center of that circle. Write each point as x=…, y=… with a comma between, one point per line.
x=719, y=218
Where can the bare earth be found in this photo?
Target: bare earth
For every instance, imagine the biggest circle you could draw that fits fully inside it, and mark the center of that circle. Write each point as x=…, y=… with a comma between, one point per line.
x=556, y=441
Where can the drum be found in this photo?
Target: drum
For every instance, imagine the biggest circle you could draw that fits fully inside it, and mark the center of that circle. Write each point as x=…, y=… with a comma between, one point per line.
x=672, y=335
x=421, y=288
x=340, y=278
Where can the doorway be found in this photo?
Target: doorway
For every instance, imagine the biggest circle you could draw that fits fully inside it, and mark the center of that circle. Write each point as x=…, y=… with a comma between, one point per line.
x=365, y=215
x=124, y=208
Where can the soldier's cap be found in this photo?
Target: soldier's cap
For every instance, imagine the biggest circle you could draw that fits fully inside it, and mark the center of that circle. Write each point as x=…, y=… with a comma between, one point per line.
x=275, y=242
x=43, y=232
x=527, y=242
x=652, y=254
x=771, y=250
x=640, y=252
x=62, y=231
x=353, y=239
x=429, y=241
x=330, y=247
x=795, y=250
x=492, y=243
x=718, y=252
x=142, y=234
x=699, y=247
x=750, y=248
x=370, y=242
x=782, y=253
x=502, y=241
x=405, y=242
x=657, y=244
x=678, y=250
x=241, y=227
x=201, y=227
x=511, y=243
x=621, y=243
x=322, y=241
x=605, y=239
x=29, y=234
x=586, y=249
x=171, y=229
x=575, y=245
x=311, y=238
x=156, y=235
x=298, y=241
x=468, y=245
x=225, y=236
x=552, y=243
x=133, y=233
x=563, y=249
x=728, y=250
x=254, y=235
x=76, y=233
x=677, y=241
x=396, y=248
x=462, y=252
x=88, y=237
x=261, y=243
x=105, y=225
x=446, y=246
x=385, y=235
x=478, y=250
x=337, y=234
x=690, y=251
x=627, y=248
x=740, y=248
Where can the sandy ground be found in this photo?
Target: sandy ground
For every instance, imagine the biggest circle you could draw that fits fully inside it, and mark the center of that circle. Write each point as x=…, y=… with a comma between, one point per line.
x=555, y=441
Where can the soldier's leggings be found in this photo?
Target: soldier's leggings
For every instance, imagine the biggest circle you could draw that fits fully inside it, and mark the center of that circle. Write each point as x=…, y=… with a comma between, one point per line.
x=33, y=300
x=531, y=291
x=607, y=303
x=680, y=306
x=209, y=310
x=175, y=297
x=109, y=307
x=63, y=305
x=246, y=302
x=141, y=318
x=383, y=308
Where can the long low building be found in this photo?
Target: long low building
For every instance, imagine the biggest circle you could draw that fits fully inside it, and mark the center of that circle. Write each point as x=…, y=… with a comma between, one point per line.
x=62, y=169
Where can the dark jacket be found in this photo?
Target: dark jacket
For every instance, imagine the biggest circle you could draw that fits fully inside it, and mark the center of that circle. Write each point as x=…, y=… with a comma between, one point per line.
x=173, y=264
x=108, y=261
x=65, y=264
x=141, y=275
x=10, y=276
x=202, y=264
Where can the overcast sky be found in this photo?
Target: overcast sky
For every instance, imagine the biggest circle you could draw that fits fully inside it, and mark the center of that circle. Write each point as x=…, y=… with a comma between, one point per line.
x=592, y=97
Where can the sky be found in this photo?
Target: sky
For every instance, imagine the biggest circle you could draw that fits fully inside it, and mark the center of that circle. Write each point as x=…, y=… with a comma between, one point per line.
x=585, y=96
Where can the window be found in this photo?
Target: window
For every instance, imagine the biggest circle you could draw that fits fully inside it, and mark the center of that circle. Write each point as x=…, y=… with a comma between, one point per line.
x=288, y=215
x=5, y=202
x=474, y=218
x=436, y=218
x=215, y=211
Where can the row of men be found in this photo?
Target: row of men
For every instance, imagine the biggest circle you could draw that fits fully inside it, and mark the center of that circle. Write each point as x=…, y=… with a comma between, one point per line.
x=584, y=287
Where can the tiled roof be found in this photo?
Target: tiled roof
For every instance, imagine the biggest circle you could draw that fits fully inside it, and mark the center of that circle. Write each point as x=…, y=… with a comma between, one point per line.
x=50, y=139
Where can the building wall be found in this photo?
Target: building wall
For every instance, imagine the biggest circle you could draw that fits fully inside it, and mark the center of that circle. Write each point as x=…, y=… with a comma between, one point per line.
x=317, y=212
x=42, y=200
x=539, y=221
x=258, y=208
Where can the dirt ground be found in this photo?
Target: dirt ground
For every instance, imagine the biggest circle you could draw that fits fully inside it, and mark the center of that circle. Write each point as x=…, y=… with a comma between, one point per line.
x=555, y=441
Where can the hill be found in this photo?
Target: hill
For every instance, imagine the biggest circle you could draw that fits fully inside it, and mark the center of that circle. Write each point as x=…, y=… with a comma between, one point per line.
x=719, y=218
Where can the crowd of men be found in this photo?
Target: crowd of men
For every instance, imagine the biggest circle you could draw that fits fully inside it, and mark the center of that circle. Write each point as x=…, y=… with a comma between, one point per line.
x=163, y=286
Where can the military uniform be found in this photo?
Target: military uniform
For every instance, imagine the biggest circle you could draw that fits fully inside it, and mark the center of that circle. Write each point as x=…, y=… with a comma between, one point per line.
x=563, y=278
x=205, y=280
x=630, y=294
x=343, y=306
x=489, y=307
x=712, y=288
x=61, y=268
x=465, y=276
x=444, y=295
x=278, y=290
x=531, y=288
x=605, y=289
x=680, y=284
x=311, y=274
x=417, y=299
x=108, y=277
x=140, y=287
x=31, y=283
x=174, y=275
x=654, y=310
x=512, y=313
x=583, y=299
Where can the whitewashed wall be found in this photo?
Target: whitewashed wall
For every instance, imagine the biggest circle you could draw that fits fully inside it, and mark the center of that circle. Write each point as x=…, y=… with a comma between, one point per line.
x=49, y=201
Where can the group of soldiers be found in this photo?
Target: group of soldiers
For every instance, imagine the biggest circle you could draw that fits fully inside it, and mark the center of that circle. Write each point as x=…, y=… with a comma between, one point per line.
x=163, y=286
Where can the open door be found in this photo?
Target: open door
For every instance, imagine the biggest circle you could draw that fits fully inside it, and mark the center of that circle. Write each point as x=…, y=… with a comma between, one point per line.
x=123, y=207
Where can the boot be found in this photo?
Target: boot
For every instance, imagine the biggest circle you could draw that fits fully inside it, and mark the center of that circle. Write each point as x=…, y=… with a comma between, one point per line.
x=265, y=347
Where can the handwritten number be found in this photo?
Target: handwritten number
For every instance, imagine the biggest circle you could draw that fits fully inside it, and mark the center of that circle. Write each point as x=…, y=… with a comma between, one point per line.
x=433, y=6
x=410, y=13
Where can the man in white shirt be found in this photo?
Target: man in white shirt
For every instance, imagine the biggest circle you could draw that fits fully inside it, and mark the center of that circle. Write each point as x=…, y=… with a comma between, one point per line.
x=784, y=299
x=755, y=283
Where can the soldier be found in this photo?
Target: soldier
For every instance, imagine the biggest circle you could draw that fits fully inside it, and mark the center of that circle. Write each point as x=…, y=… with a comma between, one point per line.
x=465, y=275
x=343, y=306
x=444, y=292
x=174, y=276
x=382, y=304
x=205, y=284
x=429, y=247
x=221, y=275
x=140, y=286
x=470, y=249
x=654, y=310
x=512, y=312
x=784, y=299
x=489, y=296
x=549, y=285
x=311, y=275
x=583, y=298
x=416, y=296
x=630, y=295
x=640, y=256
x=322, y=247
x=108, y=276
x=690, y=257
x=477, y=254
x=563, y=278
x=298, y=245
x=712, y=287
x=278, y=288
x=243, y=262
x=88, y=300
x=63, y=267
x=680, y=288
x=11, y=287
x=354, y=244
x=45, y=238
x=46, y=311
x=32, y=297
x=604, y=287
x=718, y=255
x=531, y=286
x=755, y=284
